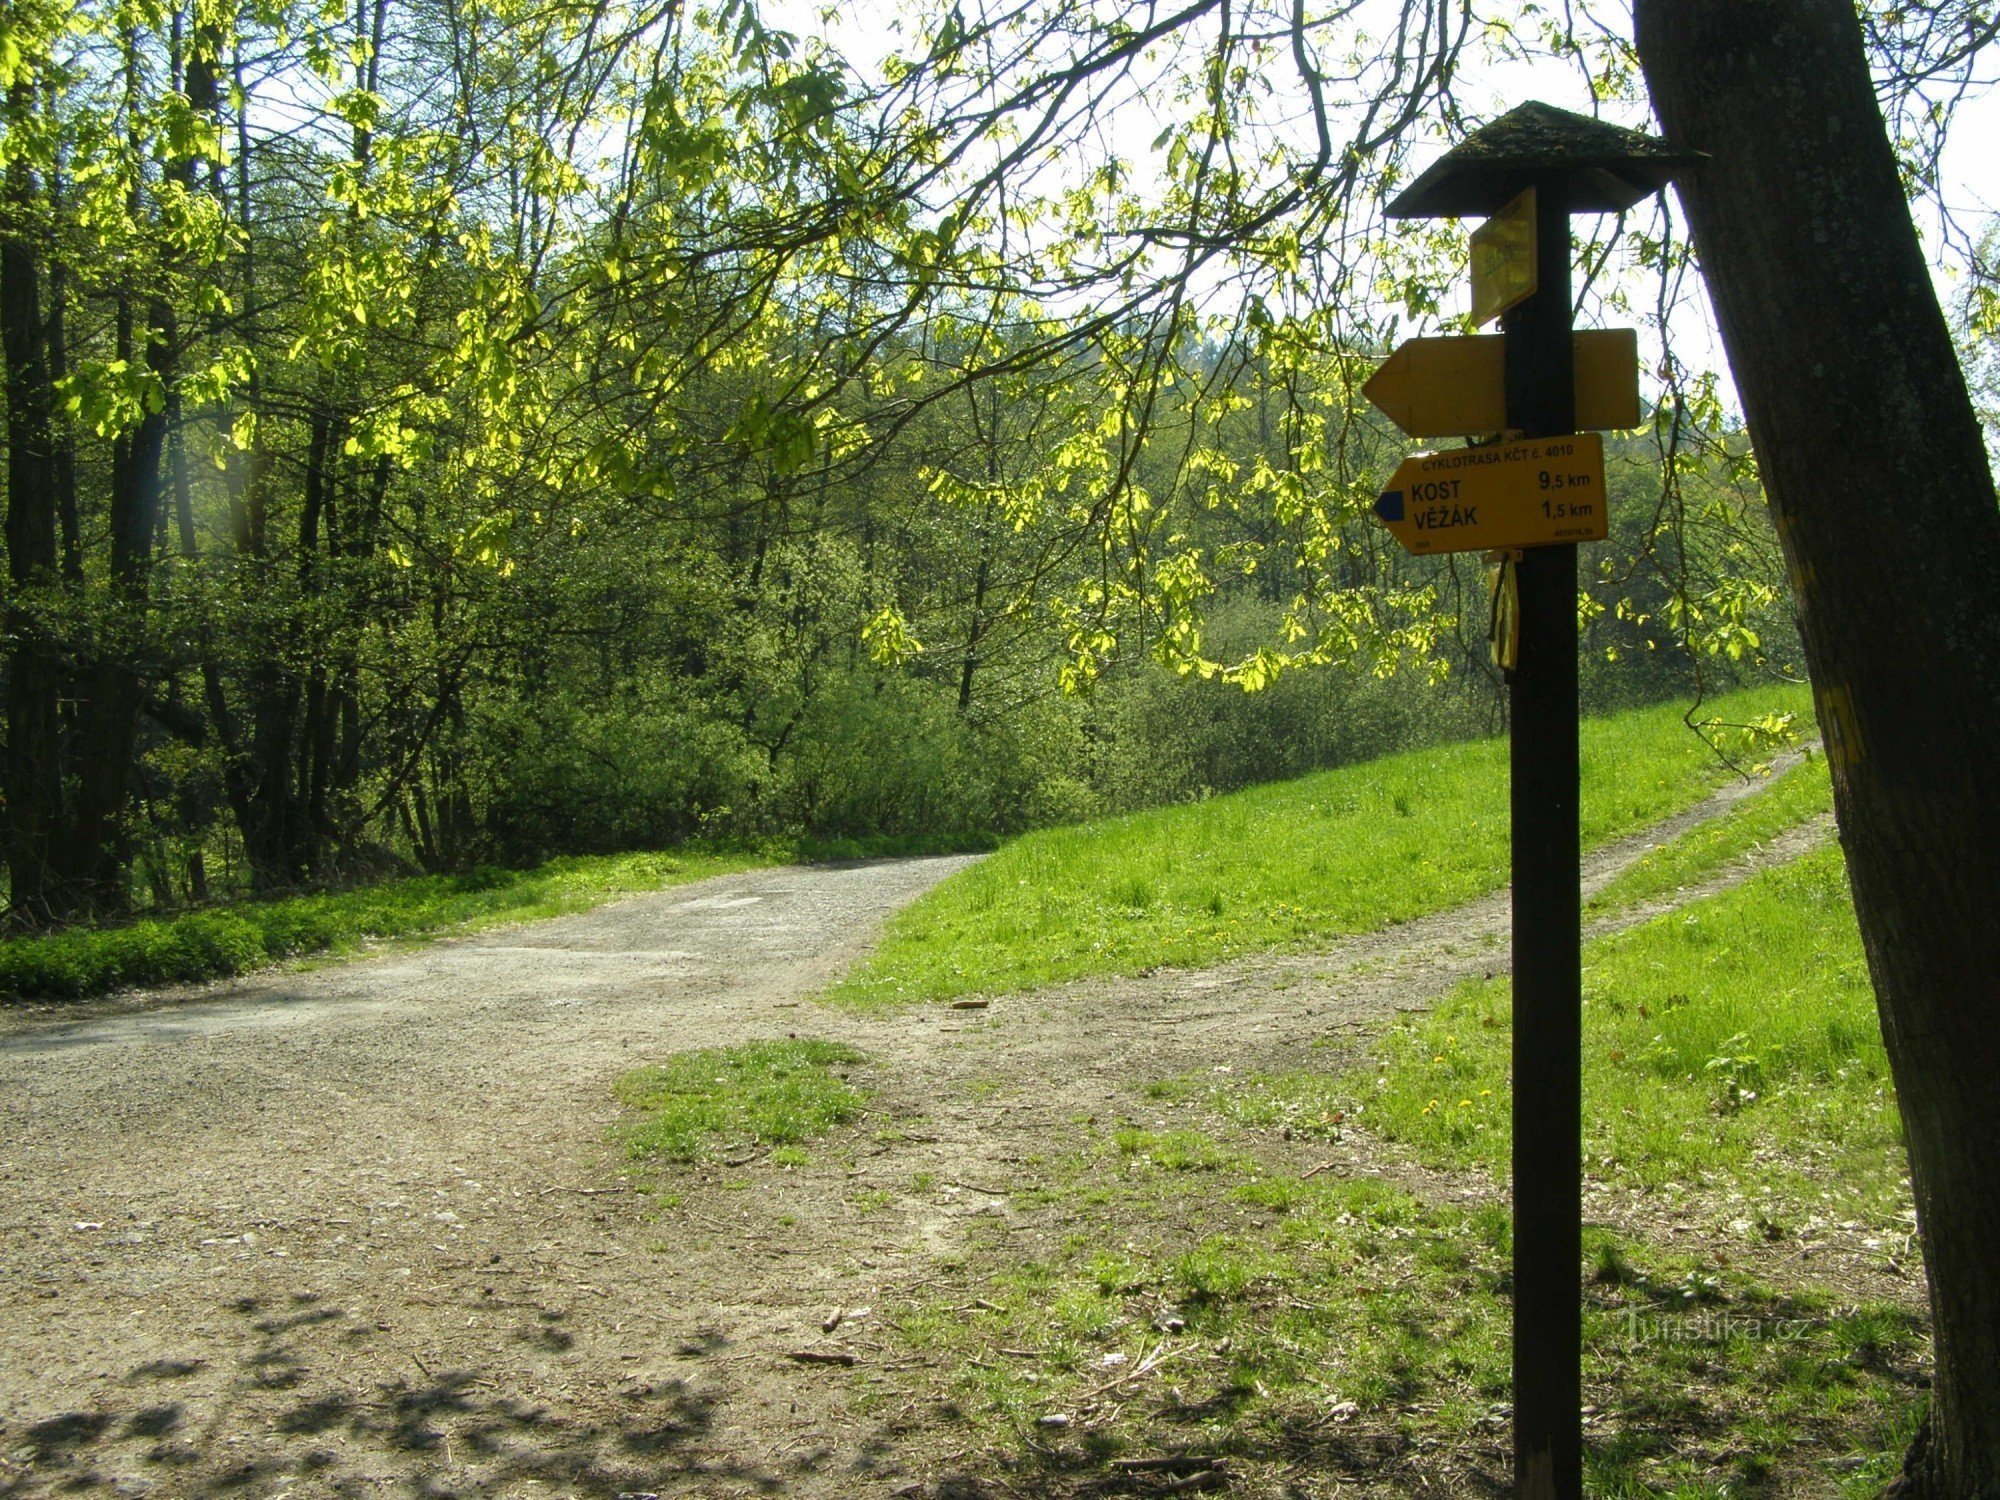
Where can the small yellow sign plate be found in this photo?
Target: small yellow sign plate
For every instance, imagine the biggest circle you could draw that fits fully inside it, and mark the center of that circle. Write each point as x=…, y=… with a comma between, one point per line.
x=1503, y=259
x=1457, y=387
x=1532, y=493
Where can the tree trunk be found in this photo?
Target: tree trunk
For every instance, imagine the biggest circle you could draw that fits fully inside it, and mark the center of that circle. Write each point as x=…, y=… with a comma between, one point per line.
x=63, y=463
x=109, y=753
x=268, y=811
x=1879, y=485
x=34, y=801
x=976, y=630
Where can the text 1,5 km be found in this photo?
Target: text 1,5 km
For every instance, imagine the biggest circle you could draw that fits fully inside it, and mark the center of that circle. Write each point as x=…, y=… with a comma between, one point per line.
x=1572, y=506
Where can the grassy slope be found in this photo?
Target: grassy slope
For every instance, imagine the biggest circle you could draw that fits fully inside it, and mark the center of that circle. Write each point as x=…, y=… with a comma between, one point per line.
x=1732, y=1038
x=1731, y=1057
x=1277, y=866
x=1794, y=797
x=230, y=940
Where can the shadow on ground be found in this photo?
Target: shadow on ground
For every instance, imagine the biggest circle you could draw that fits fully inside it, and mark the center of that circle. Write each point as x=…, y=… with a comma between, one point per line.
x=266, y=1422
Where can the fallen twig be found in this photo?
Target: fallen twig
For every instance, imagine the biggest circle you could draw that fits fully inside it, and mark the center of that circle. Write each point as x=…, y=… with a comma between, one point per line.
x=1169, y=1463
x=1160, y=1355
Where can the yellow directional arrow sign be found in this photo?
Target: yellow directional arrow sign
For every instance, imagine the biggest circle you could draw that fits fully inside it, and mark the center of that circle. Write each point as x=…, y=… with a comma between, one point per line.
x=1523, y=494
x=1503, y=260
x=1457, y=387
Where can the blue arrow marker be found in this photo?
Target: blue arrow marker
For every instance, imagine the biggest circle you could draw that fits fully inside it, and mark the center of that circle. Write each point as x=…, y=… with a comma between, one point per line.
x=1390, y=506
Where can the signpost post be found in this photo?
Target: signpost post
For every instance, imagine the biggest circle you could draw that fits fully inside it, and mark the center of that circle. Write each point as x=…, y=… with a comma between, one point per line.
x=1561, y=164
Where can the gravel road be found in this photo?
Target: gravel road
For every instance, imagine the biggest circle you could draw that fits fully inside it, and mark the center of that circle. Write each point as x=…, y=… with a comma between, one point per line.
x=250, y=1240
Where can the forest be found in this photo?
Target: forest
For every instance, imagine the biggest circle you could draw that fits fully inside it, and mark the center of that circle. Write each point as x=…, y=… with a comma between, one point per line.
x=443, y=435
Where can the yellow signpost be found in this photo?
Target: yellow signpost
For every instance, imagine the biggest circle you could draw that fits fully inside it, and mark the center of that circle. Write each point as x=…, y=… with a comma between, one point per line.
x=1533, y=493
x=1503, y=259
x=1457, y=387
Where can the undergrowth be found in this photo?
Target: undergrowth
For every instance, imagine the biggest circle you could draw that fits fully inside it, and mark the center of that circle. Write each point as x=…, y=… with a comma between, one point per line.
x=229, y=940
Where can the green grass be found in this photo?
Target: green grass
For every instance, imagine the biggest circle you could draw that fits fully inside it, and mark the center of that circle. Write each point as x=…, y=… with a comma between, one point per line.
x=1795, y=796
x=759, y=1094
x=1281, y=866
x=1733, y=1037
x=1352, y=1306
x=1732, y=1057
x=1173, y=1150
x=229, y=940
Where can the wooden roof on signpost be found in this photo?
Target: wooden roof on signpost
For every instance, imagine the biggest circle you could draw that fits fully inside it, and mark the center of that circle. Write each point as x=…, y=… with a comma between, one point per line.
x=1608, y=167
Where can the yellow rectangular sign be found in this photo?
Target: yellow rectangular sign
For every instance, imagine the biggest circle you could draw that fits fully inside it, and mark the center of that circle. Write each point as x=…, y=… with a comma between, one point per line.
x=1531, y=493
x=1457, y=387
x=1503, y=259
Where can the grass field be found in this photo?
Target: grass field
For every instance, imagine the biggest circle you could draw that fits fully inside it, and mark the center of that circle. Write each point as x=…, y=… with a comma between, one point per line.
x=1280, y=866
x=1352, y=1312
x=1734, y=1038
x=1794, y=797
x=1733, y=1071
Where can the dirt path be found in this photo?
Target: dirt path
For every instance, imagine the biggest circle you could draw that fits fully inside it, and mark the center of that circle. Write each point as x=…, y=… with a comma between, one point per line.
x=359, y=1231
x=269, y=1241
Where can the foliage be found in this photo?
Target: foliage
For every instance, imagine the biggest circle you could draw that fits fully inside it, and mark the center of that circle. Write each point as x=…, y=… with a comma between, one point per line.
x=446, y=436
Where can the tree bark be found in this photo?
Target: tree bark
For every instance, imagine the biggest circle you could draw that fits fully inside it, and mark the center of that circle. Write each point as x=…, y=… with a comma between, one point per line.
x=35, y=815
x=109, y=752
x=63, y=462
x=1879, y=485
